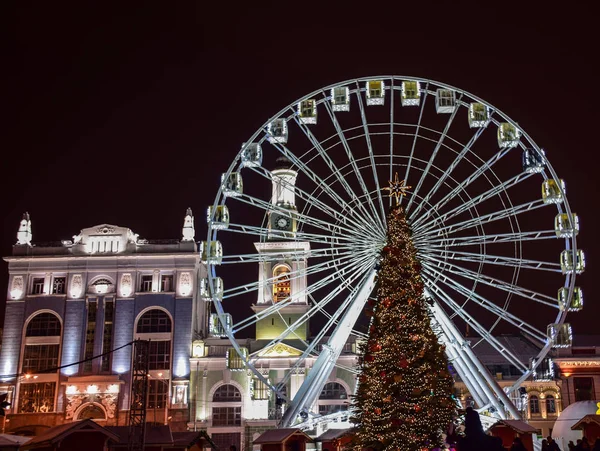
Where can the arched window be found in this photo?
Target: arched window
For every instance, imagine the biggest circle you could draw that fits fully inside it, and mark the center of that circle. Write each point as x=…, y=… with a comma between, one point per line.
x=39, y=355
x=227, y=393
x=227, y=406
x=332, y=399
x=154, y=321
x=43, y=325
x=156, y=325
x=534, y=405
x=550, y=405
x=91, y=412
x=281, y=283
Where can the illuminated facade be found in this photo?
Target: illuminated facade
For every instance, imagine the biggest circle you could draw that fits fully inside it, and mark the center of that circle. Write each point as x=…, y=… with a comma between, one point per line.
x=69, y=303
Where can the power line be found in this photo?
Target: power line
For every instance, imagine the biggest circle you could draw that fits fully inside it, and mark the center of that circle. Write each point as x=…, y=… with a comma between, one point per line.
x=54, y=369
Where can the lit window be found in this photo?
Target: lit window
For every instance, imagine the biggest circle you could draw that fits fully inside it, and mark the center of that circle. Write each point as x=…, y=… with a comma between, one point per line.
x=281, y=283
x=550, y=405
x=227, y=393
x=37, y=398
x=158, y=393
x=59, y=285
x=534, y=405
x=90, y=335
x=333, y=390
x=38, y=358
x=260, y=390
x=166, y=283
x=146, y=285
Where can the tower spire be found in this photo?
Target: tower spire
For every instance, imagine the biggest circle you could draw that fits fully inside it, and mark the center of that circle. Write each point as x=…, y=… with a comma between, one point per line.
x=188, y=226
x=24, y=234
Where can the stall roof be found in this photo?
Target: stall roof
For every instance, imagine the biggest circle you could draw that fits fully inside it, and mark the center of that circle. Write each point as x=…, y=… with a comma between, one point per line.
x=190, y=438
x=517, y=425
x=58, y=433
x=332, y=434
x=586, y=420
x=279, y=436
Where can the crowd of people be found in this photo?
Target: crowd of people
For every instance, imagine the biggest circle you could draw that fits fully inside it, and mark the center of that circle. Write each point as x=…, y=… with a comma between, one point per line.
x=475, y=439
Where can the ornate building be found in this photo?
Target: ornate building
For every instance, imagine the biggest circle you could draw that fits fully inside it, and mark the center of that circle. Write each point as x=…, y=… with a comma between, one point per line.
x=69, y=304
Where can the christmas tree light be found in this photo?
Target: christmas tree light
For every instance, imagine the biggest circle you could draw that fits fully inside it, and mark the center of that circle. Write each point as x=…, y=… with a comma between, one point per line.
x=404, y=399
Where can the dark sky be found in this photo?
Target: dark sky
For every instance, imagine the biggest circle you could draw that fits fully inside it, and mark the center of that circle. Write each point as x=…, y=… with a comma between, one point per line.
x=127, y=112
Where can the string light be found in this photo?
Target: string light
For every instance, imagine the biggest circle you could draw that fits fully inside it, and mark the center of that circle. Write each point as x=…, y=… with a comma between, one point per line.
x=404, y=399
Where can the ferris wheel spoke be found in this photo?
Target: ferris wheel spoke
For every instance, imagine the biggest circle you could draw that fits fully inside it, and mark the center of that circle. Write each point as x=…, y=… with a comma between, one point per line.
x=497, y=189
x=441, y=181
x=340, y=229
x=332, y=319
x=485, y=303
x=416, y=136
x=340, y=274
x=430, y=162
x=355, y=332
x=433, y=243
x=300, y=236
x=300, y=254
x=325, y=265
x=365, y=223
x=357, y=172
x=491, y=281
x=486, y=166
x=363, y=117
x=353, y=273
x=390, y=174
x=316, y=179
x=475, y=325
x=474, y=222
x=520, y=263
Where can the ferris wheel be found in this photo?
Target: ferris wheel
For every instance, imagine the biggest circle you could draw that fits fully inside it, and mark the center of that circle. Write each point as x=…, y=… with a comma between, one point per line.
x=303, y=204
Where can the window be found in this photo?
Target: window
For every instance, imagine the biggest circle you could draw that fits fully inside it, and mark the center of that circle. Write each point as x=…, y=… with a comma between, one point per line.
x=146, y=285
x=109, y=313
x=36, y=398
x=58, y=285
x=158, y=393
x=90, y=334
x=91, y=412
x=160, y=355
x=227, y=393
x=260, y=390
x=534, y=405
x=37, y=358
x=333, y=390
x=166, y=283
x=550, y=405
x=281, y=283
x=154, y=321
x=43, y=325
x=227, y=416
x=584, y=388
x=37, y=287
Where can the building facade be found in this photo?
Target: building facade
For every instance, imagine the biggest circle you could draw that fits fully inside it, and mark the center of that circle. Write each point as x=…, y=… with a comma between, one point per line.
x=73, y=310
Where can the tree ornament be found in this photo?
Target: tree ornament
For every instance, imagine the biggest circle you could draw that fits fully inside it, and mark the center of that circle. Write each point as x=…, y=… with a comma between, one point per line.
x=377, y=410
x=397, y=378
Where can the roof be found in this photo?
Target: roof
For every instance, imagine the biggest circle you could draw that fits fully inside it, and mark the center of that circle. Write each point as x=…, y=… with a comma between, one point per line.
x=332, y=434
x=279, y=435
x=58, y=433
x=7, y=439
x=591, y=418
x=521, y=347
x=155, y=435
x=517, y=425
x=190, y=438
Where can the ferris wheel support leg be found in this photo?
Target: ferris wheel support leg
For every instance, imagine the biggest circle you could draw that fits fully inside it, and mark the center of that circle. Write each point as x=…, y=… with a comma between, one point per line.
x=309, y=392
x=489, y=385
x=465, y=376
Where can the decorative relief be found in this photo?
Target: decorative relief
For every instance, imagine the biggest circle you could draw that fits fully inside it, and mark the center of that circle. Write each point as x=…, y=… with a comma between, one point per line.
x=76, y=285
x=109, y=401
x=185, y=283
x=126, y=285
x=584, y=363
x=73, y=403
x=16, y=290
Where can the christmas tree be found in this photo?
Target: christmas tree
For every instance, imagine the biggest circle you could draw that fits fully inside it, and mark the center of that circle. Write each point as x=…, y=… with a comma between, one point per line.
x=404, y=399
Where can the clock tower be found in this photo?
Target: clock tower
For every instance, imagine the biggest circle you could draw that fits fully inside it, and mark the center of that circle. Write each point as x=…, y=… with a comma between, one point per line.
x=282, y=275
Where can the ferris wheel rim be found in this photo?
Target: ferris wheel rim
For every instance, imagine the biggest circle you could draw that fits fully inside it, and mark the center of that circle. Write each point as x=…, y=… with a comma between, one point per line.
x=570, y=244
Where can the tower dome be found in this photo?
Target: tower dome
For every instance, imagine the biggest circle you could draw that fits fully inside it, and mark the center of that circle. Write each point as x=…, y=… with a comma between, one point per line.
x=282, y=162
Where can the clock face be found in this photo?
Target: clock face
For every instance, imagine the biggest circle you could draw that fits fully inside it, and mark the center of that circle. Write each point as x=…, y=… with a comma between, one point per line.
x=283, y=223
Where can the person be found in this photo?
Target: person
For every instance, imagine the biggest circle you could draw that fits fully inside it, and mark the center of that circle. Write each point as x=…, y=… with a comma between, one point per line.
x=585, y=445
x=596, y=445
x=578, y=446
x=571, y=445
x=517, y=445
x=552, y=445
x=232, y=448
x=475, y=438
x=545, y=446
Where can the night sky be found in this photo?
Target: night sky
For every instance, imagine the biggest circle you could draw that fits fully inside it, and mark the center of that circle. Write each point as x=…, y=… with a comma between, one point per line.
x=126, y=113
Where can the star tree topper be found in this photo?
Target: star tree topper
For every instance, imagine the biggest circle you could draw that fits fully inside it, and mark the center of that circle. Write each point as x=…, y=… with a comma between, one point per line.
x=397, y=188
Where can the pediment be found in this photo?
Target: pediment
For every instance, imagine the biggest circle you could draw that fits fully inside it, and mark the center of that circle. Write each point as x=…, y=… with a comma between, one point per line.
x=279, y=350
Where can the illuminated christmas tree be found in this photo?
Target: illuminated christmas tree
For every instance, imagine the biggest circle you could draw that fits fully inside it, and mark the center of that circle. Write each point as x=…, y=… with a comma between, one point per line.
x=404, y=400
